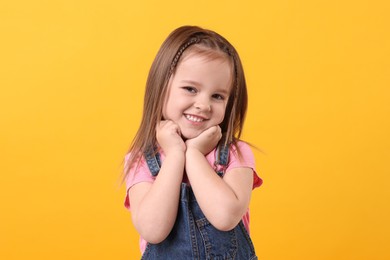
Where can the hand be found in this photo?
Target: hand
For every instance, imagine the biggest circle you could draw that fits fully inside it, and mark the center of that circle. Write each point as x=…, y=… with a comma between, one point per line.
x=206, y=141
x=169, y=137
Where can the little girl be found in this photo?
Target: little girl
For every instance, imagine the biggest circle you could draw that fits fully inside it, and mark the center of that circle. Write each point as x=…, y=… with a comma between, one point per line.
x=188, y=176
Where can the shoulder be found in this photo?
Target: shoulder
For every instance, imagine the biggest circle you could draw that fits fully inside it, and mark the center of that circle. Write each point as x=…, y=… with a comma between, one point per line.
x=137, y=172
x=241, y=156
x=238, y=152
x=241, y=153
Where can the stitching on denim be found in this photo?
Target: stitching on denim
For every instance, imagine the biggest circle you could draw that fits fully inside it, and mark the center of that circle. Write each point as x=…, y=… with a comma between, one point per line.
x=153, y=161
x=221, y=159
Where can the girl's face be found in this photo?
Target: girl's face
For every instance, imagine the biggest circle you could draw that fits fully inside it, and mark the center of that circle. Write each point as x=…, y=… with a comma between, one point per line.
x=198, y=93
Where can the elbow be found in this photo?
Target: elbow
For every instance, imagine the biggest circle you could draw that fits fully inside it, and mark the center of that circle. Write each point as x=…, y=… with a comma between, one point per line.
x=228, y=219
x=153, y=233
x=226, y=222
x=154, y=238
x=225, y=225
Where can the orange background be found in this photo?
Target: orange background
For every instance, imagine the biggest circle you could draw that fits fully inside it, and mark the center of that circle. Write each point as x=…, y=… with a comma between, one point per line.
x=72, y=76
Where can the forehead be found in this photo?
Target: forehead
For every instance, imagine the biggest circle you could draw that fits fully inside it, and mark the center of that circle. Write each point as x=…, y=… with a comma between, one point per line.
x=207, y=53
x=196, y=55
x=205, y=70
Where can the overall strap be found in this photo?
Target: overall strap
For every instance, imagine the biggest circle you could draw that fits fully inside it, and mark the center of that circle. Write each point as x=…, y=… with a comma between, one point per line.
x=153, y=160
x=221, y=158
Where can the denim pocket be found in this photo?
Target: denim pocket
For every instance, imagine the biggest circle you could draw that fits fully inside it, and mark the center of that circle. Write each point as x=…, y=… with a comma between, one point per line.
x=219, y=245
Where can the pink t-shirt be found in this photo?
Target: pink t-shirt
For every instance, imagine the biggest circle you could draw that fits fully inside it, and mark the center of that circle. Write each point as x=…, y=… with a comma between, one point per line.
x=140, y=173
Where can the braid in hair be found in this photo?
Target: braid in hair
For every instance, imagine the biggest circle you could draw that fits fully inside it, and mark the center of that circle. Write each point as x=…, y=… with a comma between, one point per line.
x=179, y=53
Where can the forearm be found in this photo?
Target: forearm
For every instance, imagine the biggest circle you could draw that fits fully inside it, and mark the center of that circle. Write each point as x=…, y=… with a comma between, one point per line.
x=218, y=201
x=156, y=213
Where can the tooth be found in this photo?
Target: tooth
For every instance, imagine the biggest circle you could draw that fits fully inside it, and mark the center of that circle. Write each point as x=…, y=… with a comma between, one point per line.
x=194, y=119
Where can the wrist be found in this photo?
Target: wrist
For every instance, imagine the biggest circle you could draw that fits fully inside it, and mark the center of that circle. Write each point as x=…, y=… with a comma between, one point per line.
x=193, y=151
x=174, y=152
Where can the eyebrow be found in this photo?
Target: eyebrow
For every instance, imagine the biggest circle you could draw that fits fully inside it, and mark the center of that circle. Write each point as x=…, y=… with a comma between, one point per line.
x=195, y=83
x=191, y=82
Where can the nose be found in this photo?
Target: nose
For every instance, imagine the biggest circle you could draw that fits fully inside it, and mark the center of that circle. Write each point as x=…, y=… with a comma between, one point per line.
x=202, y=105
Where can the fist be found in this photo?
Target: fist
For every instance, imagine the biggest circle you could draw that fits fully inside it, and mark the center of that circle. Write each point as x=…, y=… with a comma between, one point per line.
x=168, y=136
x=206, y=141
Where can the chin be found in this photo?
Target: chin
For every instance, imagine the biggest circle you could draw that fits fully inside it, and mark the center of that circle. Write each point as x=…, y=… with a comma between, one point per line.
x=192, y=135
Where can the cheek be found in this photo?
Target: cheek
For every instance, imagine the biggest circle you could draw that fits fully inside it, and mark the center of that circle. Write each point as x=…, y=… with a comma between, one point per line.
x=172, y=107
x=220, y=114
x=164, y=110
x=164, y=114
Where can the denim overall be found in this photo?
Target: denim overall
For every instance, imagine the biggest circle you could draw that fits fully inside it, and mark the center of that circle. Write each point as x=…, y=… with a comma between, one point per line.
x=192, y=236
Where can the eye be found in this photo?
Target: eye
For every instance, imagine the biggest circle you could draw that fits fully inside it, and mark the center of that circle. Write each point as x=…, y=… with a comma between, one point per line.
x=190, y=89
x=218, y=97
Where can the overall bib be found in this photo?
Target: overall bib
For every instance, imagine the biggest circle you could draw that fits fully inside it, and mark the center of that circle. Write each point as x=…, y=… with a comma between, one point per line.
x=192, y=236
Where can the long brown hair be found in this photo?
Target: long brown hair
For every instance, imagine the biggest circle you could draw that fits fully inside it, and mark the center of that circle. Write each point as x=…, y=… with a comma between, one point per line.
x=186, y=39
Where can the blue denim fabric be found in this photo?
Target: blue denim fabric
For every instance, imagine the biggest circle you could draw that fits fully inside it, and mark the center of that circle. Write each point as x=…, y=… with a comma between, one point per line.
x=222, y=159
x=193, y=237
x=153, y=160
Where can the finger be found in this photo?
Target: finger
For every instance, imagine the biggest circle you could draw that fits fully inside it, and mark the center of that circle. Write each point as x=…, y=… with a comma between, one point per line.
x=220, y=131
x=216, y=130
x=160, y=124
x=164, y=124
x=176, y=128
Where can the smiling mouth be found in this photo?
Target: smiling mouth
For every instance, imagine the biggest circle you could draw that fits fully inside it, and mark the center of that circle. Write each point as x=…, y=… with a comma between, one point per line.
x=194, y=118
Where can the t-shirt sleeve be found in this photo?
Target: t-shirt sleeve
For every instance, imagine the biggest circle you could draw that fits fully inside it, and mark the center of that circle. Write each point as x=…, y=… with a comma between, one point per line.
x=139, y=172
x=246, y=160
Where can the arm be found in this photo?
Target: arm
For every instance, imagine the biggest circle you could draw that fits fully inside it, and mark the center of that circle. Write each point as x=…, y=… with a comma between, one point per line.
x=223, y=200
x=154, y=205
